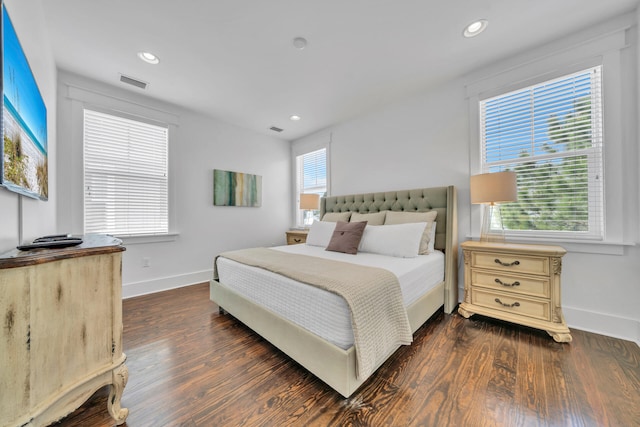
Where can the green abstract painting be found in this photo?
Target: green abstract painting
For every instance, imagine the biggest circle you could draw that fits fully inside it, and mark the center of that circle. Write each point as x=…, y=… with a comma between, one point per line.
x=236, y=189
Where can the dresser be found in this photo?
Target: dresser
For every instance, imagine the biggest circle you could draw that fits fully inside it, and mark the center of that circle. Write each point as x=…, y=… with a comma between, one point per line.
x=61, y=335
x=295, y=237
x=517, y=283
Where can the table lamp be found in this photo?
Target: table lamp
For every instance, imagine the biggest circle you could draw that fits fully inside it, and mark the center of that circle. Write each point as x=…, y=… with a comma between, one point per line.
x=491, y=189
x=309, y=202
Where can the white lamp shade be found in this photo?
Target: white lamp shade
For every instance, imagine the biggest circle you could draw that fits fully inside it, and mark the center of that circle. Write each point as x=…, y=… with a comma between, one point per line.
x=492, y=188
x=309, y=201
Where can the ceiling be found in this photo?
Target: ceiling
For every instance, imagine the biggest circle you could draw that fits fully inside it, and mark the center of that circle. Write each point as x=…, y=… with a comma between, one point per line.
x=235, y=59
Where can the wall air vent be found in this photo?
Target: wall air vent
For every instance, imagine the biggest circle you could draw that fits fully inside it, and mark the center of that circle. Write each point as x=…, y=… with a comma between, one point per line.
x=133, y=82
x=275, y=129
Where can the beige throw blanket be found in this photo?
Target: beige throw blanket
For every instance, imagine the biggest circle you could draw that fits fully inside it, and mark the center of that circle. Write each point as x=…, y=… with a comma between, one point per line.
x=378, y=316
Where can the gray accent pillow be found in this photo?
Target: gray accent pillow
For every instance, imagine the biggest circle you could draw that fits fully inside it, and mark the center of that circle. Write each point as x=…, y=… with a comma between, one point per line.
x=376, y=218
x=346, y=237
x=336, y=216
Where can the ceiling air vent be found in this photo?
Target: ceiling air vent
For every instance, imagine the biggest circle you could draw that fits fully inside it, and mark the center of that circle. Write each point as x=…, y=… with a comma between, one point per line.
x=133, y=82
x=275, y=129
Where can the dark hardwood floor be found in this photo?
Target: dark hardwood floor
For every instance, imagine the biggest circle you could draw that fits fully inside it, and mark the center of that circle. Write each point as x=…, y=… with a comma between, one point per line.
x=190, y=366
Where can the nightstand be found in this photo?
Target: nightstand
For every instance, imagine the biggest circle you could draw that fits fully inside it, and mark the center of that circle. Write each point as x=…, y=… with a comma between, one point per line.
x=295, y=237
x=517, y=283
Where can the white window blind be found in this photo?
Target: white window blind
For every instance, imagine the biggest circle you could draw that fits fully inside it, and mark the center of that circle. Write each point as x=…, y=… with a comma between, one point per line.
x=314, y=172
x=125, y=176
x=551, y=135
x=312, y=177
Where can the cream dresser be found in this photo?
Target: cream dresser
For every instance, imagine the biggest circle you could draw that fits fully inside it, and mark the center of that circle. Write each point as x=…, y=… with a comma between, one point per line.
x=61, y=334
x=517, y=283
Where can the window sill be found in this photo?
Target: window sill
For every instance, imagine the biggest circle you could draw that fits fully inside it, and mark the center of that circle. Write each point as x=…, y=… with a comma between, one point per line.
x=148, y=238
x=575, y=246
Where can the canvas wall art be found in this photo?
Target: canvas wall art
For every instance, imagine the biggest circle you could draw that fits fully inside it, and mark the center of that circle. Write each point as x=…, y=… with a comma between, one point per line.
x=24, y=166
x=236, y=189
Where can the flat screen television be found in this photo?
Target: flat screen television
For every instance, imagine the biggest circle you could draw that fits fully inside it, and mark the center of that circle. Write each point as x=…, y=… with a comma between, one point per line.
x=24, y=167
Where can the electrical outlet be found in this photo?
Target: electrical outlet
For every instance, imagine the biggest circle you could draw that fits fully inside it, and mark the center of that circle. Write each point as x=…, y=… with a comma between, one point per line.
x=146, y=262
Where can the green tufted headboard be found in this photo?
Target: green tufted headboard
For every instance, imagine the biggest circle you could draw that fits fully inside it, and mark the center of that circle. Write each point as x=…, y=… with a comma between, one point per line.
x=418, y=200
x=441, y=199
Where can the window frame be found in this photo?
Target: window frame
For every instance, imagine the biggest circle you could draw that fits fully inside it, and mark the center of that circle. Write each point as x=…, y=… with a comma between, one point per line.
x=315, y=142
x=80, y=98
x=300, y=214
x=564, y=57
x=594, y=155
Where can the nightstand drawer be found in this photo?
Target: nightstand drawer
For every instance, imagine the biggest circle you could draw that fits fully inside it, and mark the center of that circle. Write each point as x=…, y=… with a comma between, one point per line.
x=507, y=262
x=533, y=286
x=296, y=237
x=538, y=309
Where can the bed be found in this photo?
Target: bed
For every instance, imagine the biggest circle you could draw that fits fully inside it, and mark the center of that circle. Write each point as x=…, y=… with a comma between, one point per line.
x=335, y=362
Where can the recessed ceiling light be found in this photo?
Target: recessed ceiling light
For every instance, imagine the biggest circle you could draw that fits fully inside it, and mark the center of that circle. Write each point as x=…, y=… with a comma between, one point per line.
x=300, y=43
x=475, y=28
x=295, y=118
x=148, y=57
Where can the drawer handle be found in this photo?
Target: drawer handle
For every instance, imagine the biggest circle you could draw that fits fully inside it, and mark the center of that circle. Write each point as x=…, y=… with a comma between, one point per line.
x=515, y=304
x=516, y=283
x=507, y=264
x=297, y=240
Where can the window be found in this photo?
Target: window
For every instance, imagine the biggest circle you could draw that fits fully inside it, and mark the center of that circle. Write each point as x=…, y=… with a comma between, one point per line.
x=125, y=176
x=551, y=135
x=312, y=178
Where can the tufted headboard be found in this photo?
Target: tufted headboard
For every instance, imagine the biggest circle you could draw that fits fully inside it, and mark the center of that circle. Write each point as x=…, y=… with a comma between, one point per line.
x=441, y=199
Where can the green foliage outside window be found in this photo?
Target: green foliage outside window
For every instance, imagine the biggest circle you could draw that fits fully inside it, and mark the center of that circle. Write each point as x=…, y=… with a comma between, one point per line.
x=553, y=194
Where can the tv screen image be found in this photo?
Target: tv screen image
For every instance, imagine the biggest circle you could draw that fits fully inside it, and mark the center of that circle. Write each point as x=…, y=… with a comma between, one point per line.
x=24, y=121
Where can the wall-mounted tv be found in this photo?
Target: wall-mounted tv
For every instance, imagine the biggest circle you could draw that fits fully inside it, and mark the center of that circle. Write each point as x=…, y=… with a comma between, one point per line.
x=24, y=167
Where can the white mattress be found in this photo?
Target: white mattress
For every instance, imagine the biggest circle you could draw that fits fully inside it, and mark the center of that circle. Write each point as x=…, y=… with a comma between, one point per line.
x=321, y=312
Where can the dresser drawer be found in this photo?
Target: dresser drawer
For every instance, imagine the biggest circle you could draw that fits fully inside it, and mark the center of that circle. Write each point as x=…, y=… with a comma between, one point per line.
x=516, y=263
x=522, y=306
x=533, y=286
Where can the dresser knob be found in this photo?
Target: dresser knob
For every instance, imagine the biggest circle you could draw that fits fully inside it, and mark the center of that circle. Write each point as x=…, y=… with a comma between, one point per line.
x=508, y=284
x=515, y=304
x=507, y=264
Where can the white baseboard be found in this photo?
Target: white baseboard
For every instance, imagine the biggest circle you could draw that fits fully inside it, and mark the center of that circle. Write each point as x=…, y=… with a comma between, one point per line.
x=165, y=283
x=603, y=324
x=598, y=323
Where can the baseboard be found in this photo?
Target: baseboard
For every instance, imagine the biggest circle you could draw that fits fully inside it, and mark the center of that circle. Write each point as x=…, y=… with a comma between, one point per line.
x=135, y=289
x=598, y=323
x=603, y=324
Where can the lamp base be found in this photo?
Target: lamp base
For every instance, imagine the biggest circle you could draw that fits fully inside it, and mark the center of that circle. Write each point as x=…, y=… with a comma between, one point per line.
x=487, y=234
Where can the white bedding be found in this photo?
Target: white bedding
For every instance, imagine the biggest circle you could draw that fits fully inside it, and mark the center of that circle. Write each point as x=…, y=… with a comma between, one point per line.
x=321, y=312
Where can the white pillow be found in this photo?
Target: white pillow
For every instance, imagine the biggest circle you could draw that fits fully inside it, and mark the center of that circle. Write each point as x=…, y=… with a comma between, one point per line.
x=320, y=233
x=399, y=240
x=405, y=217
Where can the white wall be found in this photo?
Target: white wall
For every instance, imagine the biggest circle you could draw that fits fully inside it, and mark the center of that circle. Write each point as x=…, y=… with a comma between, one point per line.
x=198, y=144
x=426, y=140
x=37, y=217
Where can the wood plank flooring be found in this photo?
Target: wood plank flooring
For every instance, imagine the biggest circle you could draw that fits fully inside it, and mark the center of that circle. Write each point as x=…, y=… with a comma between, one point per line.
x=190, y=366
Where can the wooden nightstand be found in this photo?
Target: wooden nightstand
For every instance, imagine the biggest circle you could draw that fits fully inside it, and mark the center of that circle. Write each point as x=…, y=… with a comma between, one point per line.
x=516, y=283
x=295, y=237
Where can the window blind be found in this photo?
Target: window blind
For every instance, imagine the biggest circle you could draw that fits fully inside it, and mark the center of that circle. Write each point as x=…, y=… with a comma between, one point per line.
x=551, y=135
x=314, y=172
x=125, y=175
